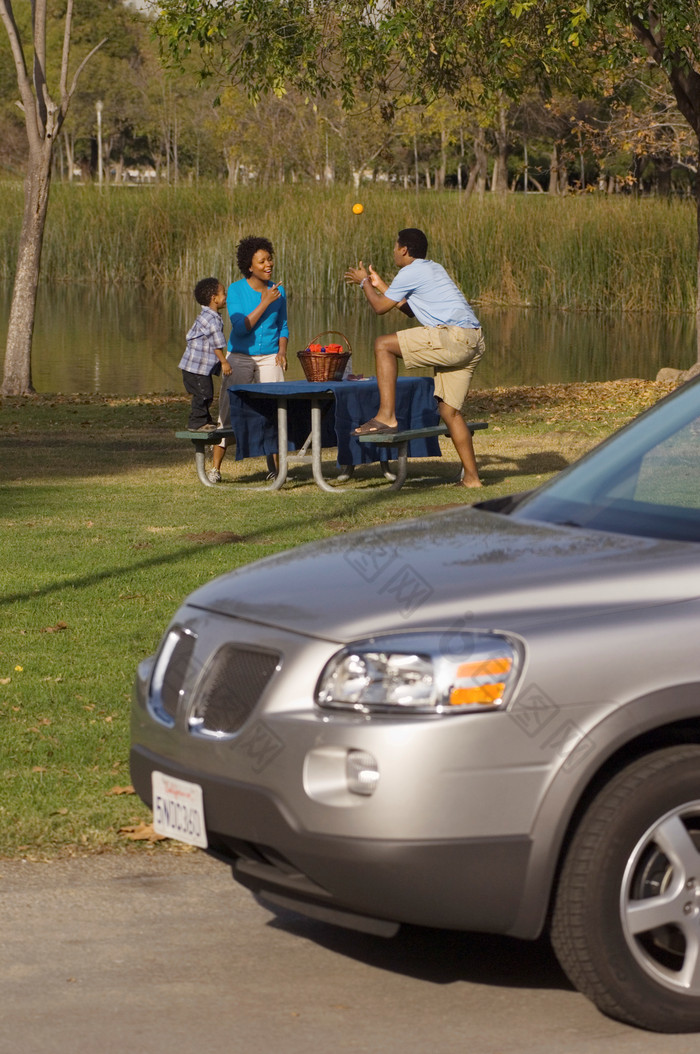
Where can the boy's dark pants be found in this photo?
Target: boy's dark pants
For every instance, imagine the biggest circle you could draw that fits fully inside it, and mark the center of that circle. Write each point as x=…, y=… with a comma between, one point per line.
x=201, y=387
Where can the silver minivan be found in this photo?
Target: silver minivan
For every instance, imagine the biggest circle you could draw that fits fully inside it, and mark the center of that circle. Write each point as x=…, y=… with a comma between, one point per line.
x=485, y=719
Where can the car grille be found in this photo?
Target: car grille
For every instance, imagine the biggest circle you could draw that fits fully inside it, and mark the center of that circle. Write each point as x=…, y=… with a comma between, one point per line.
x=230, y=688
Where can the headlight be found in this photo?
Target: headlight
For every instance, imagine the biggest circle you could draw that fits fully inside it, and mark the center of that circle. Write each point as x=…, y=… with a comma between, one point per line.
x=420, y=673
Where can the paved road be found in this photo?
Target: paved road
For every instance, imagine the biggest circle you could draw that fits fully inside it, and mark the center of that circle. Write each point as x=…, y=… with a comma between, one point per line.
x=156, y=952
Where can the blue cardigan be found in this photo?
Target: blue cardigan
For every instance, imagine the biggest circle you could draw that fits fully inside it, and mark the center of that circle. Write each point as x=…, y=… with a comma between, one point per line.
x=264, y=337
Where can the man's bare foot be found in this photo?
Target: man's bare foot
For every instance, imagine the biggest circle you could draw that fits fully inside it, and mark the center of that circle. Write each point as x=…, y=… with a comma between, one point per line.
x=469, y=484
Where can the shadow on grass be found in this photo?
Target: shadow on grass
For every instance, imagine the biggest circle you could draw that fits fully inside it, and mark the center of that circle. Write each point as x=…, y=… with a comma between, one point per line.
x=82, y=457
x=493, y=469
x=206, y=540
x=89, y=454
x=435, y=472
x=27, y=502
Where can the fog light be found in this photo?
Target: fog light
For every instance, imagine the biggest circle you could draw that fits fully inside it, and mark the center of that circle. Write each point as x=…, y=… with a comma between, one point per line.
x=362, y=772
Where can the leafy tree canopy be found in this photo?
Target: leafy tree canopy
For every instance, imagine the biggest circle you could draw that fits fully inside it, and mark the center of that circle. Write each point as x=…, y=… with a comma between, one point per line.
x=437, y=46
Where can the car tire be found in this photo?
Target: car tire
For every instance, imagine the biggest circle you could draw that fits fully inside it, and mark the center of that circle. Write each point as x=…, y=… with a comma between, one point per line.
x=626, y=918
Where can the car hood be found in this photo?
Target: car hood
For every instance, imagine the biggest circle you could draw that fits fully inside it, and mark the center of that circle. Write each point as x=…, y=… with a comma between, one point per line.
x=465, y=563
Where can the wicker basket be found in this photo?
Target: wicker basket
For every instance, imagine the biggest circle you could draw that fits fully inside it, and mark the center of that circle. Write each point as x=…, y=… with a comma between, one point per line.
x=325, y=366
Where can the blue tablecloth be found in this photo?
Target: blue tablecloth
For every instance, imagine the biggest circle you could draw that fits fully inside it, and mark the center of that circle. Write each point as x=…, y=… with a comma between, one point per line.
x=254, y=416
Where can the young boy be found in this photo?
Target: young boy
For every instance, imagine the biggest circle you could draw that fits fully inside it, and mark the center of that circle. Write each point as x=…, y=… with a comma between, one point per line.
x=205, y=354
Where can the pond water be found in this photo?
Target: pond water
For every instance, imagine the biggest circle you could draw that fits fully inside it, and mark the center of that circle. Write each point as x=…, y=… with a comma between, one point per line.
x=130, y=341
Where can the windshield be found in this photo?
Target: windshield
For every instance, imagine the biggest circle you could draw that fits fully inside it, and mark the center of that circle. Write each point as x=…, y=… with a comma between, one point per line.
x=644, y=480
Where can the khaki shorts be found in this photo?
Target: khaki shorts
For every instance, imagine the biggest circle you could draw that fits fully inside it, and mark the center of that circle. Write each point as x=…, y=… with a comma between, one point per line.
x=452, y=351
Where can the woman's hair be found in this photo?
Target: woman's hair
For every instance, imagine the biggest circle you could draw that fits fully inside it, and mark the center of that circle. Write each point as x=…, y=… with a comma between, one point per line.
x=247, y=248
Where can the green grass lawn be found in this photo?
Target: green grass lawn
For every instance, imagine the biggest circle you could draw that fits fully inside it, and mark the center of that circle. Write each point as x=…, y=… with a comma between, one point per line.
x=105, y=528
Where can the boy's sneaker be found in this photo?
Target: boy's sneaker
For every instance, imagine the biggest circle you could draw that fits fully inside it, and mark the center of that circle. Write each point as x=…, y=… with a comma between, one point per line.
x=213, y=475
x=205, y=428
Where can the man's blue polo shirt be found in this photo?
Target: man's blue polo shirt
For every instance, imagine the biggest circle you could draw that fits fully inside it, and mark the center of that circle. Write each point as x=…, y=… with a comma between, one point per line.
x=432, y=295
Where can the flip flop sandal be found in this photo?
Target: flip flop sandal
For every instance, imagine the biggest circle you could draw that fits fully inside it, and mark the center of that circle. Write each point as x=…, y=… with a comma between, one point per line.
x=375, y=427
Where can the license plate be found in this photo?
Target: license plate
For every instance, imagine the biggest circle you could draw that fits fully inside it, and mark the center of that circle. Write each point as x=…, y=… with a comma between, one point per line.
x=178, y=809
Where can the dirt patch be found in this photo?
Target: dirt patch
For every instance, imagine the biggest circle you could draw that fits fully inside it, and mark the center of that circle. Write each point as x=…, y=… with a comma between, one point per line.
x=214, y=537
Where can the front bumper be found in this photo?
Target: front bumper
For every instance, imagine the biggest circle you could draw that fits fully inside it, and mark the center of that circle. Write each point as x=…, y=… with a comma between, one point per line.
x=468, y=884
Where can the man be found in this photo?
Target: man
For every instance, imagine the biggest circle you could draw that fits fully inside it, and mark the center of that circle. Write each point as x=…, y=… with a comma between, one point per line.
x=449, y=339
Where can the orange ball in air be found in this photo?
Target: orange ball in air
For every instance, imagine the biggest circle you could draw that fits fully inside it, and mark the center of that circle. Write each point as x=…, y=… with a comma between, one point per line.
x=357, y=208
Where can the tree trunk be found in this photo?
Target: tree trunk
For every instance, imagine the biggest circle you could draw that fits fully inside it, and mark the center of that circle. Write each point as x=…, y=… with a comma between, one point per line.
x=176, y=155
x=441, y=173
x=581, y=162
x=554, y=171
x=500, y=177
x=18, y=371
x=563, y=178
x=477, y=175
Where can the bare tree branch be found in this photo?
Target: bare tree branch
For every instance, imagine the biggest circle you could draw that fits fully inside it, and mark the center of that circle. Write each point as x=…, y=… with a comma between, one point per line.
x=74, y=82
x=684, y=79
x=23, y=82
x=66, y=50
x=39, y=35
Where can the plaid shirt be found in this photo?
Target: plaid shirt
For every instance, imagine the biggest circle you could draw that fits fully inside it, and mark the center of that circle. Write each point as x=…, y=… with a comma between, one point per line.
x=206, y=334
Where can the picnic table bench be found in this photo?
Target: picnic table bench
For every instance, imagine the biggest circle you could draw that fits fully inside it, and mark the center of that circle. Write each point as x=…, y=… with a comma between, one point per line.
x=200, y=441
x=400, y=440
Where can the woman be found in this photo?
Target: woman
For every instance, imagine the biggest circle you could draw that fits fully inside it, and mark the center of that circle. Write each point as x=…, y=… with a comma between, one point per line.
x=257, y=345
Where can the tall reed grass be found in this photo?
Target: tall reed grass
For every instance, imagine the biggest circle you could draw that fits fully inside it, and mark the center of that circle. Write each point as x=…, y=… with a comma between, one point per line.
x=580, y=253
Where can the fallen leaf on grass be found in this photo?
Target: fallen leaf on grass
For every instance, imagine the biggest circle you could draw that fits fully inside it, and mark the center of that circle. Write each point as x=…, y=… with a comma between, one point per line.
x=121, y=790
x=5, y=680
x=55, y=629
x=142, y=832
x=38, y=768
